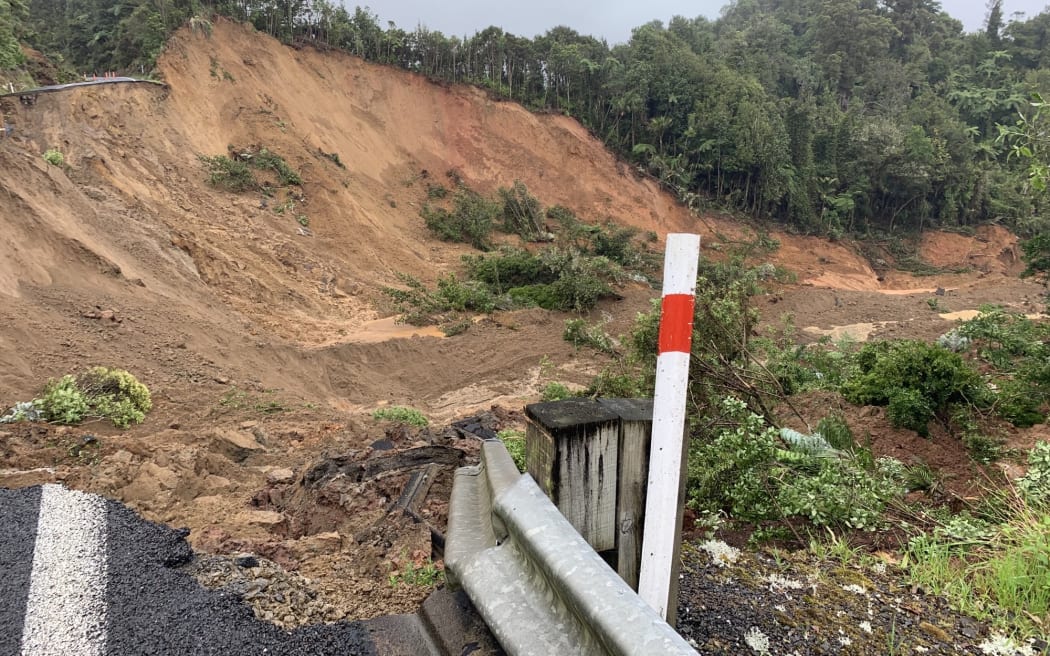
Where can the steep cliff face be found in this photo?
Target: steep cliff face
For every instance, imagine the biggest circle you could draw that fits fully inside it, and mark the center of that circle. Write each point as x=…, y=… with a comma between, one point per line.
x=130, y=222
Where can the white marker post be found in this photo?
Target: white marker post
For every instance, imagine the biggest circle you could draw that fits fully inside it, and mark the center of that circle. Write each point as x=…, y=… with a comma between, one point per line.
x=663, y=502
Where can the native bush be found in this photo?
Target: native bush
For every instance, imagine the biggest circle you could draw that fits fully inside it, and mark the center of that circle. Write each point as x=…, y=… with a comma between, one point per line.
x=112, y=394
x=918, y=382
x=54, y=157
x=267, y=160
x=754, y=472
x=62, y=401
x=233, y=175
x=420, y=306
x=1035, y=484
x=522, y=212
x=509, y=268
x=402, y=415
x=470, y=221
x=579, y=333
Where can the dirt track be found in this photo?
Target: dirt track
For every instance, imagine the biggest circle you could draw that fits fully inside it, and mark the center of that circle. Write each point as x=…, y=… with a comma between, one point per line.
x=266, y=346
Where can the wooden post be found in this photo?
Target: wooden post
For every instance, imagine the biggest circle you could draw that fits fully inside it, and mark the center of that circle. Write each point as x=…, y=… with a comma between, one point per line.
x=571, y=452
x=636, y=429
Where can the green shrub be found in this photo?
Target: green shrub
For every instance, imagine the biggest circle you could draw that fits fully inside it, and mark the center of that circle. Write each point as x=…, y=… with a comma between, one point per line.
x=581, y=280
x=515, y=443
x=541, y=296
x=579, y=333
x=747, y=471
x=509, y=268
x=470, y=221
x=62, y=401
x=54, y=157
x=420, y=306
x=555, y=392
x=522, y=213
x=401, y=415
x=616, y=243
x=1035, y=484
x=267, y=160
x=918, y=381
x=235, y=174
x=230, y=174
x=112, y=394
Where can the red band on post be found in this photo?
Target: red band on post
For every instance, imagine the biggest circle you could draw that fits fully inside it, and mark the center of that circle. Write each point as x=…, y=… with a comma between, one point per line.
x=676, y=323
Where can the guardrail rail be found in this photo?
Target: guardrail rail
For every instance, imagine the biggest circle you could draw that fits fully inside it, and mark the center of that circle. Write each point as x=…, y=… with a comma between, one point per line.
x=540, y=587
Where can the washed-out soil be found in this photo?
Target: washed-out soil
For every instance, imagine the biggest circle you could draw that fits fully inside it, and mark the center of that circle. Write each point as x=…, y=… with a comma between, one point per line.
x=267, y=344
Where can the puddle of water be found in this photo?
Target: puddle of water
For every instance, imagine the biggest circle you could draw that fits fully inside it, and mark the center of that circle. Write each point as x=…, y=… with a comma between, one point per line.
x=382, y=330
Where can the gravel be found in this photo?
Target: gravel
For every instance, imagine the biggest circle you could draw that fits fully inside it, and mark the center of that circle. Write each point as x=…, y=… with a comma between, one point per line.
x=795, y=604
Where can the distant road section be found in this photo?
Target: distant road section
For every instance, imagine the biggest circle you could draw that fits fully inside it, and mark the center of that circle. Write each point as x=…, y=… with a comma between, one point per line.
x=86, y=83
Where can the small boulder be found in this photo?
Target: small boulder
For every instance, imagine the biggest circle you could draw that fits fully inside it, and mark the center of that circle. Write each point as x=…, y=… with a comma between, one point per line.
x=238, y=446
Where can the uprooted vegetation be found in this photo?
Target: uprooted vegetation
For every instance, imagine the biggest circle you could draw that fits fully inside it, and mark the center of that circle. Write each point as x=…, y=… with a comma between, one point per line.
x=578, y=266
x=747, y=470
x=98, y=393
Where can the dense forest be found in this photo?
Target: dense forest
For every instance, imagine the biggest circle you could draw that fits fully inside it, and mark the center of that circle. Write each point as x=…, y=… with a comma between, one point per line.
x=831, y=116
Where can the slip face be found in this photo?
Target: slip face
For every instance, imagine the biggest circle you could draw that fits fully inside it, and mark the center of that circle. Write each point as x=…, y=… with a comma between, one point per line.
x=66, y=605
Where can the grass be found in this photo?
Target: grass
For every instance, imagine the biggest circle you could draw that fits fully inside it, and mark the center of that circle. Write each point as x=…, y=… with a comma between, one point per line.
x=424, y=575
x=401, y=415
x=999, y=573
x=514, y=440
x=238, y=399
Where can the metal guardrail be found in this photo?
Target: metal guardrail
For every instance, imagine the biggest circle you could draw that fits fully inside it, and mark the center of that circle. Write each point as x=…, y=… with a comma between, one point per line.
x=540, y=587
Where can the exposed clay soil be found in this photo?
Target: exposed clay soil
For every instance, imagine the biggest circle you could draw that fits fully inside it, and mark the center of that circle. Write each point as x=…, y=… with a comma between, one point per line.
x=267, y=346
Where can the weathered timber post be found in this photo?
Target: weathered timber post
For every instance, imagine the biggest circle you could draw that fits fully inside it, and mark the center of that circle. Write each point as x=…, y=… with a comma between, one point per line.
x=592, y=459
x=636, y=430
x=571, y=452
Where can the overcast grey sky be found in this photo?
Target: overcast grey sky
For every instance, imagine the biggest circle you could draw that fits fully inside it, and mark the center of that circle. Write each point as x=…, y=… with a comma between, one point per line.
x=600, y=18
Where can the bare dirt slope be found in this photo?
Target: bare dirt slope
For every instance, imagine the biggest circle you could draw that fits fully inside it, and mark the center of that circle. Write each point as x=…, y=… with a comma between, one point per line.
x=263, y=342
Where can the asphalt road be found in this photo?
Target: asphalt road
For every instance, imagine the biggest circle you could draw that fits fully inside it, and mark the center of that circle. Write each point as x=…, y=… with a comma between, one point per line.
x=83, y=575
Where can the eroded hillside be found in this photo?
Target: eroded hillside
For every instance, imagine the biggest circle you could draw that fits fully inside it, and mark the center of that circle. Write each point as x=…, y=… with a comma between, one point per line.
x=259, y=331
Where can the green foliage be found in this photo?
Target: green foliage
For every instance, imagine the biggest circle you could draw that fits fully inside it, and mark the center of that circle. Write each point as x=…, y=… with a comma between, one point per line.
x=12, y=17
x=420, y=306
x=918, y=382
x=1018, y=352
x=22, y=411
x=1034, y=486
x=995, y=569
x=62, y=401
x=747, y=471
x=54, y=157
x=509, y=268
x=436, y=191
x=266, y=160
x=515, y=443
x=424, y=575
x=232, y=175
x=522, y=213
x=112, y=394
x=555, y=392
x=470, y=221
x=235, y=174
x=579, y=333
x=402, y=415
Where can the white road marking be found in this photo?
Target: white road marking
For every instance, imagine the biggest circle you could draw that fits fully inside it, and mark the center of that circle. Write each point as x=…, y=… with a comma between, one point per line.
x=66, y=608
